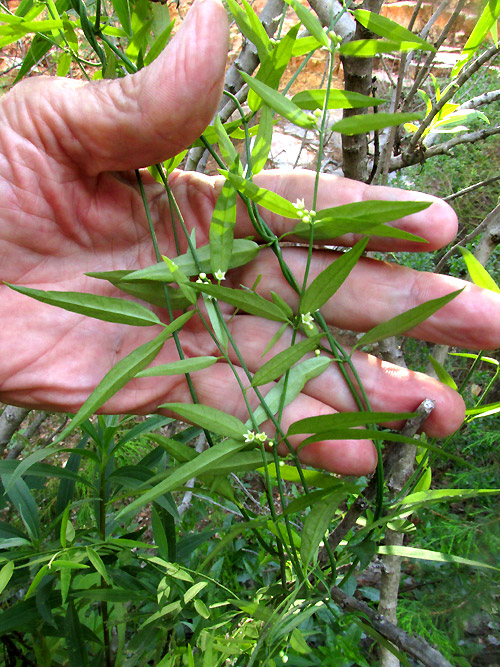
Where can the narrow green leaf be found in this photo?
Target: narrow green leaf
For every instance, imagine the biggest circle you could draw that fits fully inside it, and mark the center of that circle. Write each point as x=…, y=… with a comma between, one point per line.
x=337, y=99
x=217, y=321
x=193, y=591
x=159, y=44
x=331, y=229
x=427, y=554
x=406, y=321
x=147, y=290
x=39, y=47
x=275, y=339
x=117, y=378
x=181, y=279
x=317, y=522
x=243, y=252
x=313, y=478
x=443, y=495
x=311, y=23
x=107, y=308
x=369, y=122
x=346, y=419
x=241, y=462
x=477, y=272
x=272, y=68
x=485, y=23
x=363, y=218
x=6, y=574
x=266, y=198
x=250, y=26
x=324, y=286
x=179, y=367
x=442, y=374
x=202, y=463
x=98, y=564
x=202, y=610
x=76, y=648
x=391, y=30
x=248, y=301
x=368, y=48
x=262, y=145
x=297, y=378
x=122, y=9
x=20, y=496
x=305, y=45
x=221, y=232
x=284, y=360
x=209, y=418
x=280, y=103
x=228, y=151
x=67, y=532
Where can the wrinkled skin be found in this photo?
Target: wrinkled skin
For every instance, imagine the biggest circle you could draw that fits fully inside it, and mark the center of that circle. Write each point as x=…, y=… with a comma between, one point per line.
x=70, y=204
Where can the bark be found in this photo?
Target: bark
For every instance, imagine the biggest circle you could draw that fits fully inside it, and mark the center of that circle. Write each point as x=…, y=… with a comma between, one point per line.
x=358, y=74
x=10, y=420
x=415, y=647
x=28, y=433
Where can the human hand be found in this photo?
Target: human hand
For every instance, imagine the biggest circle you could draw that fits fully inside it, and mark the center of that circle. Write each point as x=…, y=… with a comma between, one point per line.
x=70, y=206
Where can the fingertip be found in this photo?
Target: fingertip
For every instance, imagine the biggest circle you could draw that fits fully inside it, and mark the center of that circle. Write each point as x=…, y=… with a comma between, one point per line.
x=346, y=457
x=448, y=414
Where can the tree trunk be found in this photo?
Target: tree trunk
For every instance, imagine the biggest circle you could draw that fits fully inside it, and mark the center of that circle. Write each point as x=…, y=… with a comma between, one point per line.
x=358, y=79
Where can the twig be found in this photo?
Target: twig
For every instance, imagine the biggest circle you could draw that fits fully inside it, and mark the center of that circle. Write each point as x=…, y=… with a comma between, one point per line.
x=430, y=58
x=415, y=647
x=489, y=223
x=471, y=188
x=402, y=161
x=448, y=94
x=391, y=465
x=28, y=433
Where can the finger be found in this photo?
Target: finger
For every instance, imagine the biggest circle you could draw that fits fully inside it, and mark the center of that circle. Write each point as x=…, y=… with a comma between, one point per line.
x=376, y=291
x=143, y=118
x=437, y=224
x=389, y=388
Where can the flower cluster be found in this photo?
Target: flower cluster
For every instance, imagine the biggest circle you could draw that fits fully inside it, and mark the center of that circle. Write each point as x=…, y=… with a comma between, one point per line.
x=251, y=436
x=307, y=320
x=306, y=216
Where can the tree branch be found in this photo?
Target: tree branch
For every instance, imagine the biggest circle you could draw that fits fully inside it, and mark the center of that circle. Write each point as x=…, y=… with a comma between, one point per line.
x=446, y=97
x=405, y=160
x=415, y=647
x=10, y=420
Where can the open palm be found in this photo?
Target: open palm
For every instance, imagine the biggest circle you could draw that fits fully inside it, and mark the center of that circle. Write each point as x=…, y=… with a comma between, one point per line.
x=71, y=205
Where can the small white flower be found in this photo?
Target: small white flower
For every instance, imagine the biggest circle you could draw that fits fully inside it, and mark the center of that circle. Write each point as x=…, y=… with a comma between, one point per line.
x=203, y=276
x=261, y=437
x=299, y=204
x=307, y=320
x=249, y=436
x=220, y=275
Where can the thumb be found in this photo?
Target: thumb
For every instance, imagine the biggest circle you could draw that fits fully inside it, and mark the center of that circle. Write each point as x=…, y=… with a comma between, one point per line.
x=149, y=116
